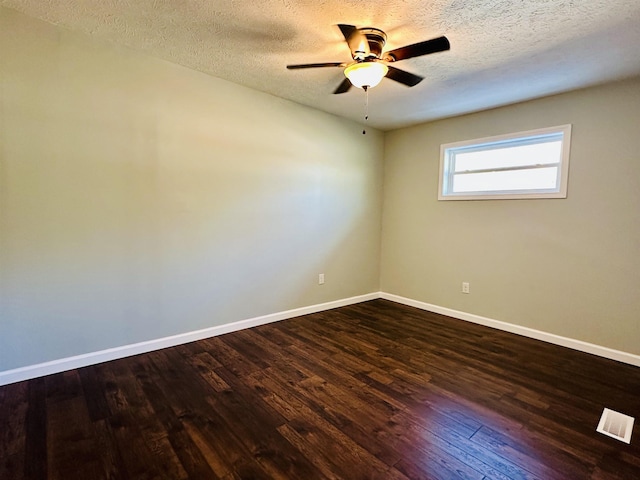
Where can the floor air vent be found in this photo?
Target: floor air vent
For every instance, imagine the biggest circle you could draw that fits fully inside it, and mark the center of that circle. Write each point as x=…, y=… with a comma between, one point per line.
x=616, y=425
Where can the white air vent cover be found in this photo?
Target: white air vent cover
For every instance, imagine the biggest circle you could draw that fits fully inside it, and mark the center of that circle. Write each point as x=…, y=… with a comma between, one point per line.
x=616, y=425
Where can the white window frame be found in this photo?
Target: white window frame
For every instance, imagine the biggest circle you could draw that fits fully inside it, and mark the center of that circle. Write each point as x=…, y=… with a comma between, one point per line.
x=447, y=159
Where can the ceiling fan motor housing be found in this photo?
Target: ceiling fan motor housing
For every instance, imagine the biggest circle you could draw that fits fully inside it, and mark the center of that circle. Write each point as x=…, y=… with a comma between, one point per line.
x=376, y=39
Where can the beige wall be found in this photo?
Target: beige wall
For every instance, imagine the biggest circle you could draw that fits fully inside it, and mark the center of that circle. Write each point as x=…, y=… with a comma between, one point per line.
x=139, y=199
x=570, y=267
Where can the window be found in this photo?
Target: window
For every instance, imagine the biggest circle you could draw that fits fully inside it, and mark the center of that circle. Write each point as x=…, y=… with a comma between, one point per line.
x=531, y=164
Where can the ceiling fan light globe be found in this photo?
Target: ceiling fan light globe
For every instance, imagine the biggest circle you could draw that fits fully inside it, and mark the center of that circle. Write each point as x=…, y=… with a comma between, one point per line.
x=366, y=74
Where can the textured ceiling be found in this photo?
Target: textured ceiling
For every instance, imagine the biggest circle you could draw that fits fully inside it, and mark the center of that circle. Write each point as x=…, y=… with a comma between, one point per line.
x=502, y=51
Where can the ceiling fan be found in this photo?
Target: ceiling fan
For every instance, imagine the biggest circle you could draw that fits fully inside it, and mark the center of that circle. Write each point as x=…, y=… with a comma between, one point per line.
x=370, y=65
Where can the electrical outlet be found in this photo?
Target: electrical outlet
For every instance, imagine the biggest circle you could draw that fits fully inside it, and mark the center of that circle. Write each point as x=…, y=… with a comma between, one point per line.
x=321, y=279
x=465, y=287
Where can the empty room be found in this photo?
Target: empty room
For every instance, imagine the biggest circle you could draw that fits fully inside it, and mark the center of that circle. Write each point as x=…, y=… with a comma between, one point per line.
x=320, y=240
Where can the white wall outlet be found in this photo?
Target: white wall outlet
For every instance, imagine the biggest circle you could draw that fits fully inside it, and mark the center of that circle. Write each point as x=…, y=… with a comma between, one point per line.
x=465, y=287
x=321, y=279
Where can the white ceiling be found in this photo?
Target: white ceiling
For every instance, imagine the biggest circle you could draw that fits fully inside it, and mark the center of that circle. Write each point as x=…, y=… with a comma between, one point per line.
x=502, y=51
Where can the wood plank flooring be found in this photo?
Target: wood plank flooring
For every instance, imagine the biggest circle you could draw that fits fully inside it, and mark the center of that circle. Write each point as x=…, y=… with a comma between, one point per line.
x=370, y=391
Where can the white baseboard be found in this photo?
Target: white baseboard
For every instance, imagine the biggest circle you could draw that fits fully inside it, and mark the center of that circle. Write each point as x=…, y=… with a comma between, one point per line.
x=78, y=361
x=579, y=345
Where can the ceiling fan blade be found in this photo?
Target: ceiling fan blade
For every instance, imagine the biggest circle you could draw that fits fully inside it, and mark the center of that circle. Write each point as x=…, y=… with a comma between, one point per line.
x=434, y=45
x=358, y=43
x=347, y=31
x=316, y=65
x=343, y=87
x=406, y=78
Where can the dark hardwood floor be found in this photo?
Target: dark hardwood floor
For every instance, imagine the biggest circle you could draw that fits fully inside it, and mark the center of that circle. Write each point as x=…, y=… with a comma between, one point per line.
x=370, y=391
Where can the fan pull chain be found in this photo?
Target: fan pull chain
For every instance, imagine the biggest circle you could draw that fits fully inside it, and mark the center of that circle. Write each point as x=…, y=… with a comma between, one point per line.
x=366, y=107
